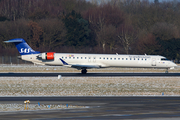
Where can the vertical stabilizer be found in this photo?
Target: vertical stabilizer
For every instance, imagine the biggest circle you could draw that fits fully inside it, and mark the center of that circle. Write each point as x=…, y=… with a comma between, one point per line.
x=22, y=46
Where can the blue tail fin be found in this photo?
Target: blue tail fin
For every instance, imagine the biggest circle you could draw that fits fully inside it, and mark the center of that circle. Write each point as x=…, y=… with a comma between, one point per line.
x=22, y=46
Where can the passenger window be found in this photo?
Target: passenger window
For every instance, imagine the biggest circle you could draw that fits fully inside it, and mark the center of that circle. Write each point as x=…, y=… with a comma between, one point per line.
x=62, y=57
x=138, y=58
x=81, y=57
x=134, y=58
x=73, y=57
x=130, y=58
x=114, y=58
x=77, y=57
x=145, y=59
x=85, y=57
x=110, y=58
x=126, y=58
x=104, y=58
x=107, y=58
x=69, y=57
x=65, y=57
x=118, y=58
x=100, y=58
x=142, y=58
x=122, y=58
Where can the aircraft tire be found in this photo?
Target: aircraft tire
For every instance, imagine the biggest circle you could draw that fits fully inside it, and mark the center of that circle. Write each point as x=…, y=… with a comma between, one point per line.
x=83, y=71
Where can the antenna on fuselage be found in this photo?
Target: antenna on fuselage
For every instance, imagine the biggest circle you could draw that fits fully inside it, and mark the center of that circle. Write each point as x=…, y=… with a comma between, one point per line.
x=116, y=53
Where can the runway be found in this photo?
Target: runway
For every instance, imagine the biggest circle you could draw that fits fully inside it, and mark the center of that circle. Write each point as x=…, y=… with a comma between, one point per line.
x=130, y=107
x=88, y=74
x=99, y=108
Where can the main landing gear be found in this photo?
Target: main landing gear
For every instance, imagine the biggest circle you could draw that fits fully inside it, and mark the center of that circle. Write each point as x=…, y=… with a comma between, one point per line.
x=83, y=71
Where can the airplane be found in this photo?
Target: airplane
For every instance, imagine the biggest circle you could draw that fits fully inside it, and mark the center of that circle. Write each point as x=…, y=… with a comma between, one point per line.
x=88, y=61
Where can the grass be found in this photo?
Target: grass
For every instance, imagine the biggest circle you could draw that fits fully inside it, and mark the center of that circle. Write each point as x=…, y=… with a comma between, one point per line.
x=93, y=86
x=82, y=86
x=86, y=86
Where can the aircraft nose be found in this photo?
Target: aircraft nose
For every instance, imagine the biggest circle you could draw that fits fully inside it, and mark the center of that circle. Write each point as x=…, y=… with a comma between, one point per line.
x=173, y=64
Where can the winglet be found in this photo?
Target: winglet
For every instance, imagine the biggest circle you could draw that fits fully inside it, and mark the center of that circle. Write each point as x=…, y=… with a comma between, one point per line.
x=64, y=63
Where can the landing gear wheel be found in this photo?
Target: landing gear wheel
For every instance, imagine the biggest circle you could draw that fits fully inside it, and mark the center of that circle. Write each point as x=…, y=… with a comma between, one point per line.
x=83, y=71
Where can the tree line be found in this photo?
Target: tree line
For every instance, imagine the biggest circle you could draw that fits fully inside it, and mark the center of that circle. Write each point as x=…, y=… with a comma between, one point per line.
x=103, y=26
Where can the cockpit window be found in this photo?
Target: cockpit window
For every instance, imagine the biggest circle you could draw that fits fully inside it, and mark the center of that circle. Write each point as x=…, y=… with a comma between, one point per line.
x=164, y=59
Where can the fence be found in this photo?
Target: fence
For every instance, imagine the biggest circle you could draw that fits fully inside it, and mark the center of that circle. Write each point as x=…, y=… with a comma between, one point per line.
x=12, y=60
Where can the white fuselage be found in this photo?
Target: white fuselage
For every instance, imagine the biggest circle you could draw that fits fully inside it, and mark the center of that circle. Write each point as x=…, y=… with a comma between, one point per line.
x=104, y=60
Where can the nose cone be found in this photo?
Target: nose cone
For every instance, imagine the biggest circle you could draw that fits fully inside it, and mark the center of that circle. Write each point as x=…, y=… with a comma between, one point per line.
x=173, y=65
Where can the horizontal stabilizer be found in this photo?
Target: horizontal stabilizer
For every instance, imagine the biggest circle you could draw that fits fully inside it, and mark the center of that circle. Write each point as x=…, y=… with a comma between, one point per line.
x=14, y=40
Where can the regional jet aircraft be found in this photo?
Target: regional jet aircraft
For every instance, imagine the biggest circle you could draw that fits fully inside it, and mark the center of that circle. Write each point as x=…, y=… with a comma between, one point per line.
x=87, y=61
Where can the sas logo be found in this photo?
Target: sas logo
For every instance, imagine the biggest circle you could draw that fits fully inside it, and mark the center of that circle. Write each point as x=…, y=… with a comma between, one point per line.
x=26, y=50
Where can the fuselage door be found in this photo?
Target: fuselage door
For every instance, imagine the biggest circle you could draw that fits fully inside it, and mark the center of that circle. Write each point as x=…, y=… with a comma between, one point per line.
x=153, y=62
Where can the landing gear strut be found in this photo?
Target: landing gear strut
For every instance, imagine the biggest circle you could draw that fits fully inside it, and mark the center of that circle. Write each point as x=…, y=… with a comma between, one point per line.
x=83, y=71
x=166, y=70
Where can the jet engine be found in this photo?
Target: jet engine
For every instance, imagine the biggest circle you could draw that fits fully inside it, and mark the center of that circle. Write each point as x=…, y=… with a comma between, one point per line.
x=46, y=56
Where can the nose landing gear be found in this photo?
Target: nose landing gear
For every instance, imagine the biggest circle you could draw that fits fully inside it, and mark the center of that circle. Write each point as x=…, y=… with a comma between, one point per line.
x=166, y=70
x=83, y=71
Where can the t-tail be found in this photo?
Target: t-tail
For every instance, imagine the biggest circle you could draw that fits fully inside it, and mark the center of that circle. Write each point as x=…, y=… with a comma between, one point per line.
x=22, y=46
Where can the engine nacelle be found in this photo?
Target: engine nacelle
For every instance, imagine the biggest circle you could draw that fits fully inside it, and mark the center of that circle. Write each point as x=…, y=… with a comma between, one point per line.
x=47, y=56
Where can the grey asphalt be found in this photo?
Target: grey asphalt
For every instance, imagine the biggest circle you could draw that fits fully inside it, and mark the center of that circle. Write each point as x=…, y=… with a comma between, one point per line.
x=87, y=75
x=132, y=107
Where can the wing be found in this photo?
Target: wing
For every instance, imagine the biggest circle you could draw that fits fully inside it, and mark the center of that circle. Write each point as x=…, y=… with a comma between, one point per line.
x=85, y=66
x=78, y=66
